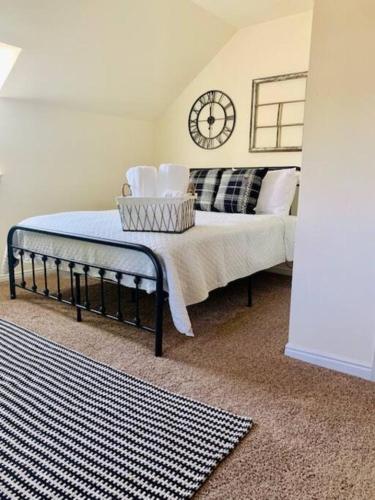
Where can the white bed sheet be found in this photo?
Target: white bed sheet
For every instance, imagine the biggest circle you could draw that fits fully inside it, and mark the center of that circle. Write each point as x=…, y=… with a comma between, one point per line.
x=219, y=249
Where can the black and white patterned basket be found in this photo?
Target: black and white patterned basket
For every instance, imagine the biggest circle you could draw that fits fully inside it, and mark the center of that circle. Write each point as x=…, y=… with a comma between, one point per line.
x=160, y=215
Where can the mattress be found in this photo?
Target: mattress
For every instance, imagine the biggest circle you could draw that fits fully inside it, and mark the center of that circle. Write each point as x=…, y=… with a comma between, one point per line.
x=219, y=249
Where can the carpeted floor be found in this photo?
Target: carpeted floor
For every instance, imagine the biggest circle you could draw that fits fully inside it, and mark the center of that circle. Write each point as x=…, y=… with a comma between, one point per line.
x=314, y=436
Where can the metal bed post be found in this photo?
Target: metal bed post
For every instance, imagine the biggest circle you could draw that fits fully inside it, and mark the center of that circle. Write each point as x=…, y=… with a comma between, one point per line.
x=249, y=291
x=78, y=296
x=11, y=265
x=159, y=303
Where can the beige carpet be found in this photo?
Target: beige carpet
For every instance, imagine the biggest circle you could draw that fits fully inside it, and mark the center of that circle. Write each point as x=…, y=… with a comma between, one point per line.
x=315, y=432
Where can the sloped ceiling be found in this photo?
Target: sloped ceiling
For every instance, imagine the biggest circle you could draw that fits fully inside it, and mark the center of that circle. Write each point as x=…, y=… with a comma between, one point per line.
x=241, y=13
x=126, y=57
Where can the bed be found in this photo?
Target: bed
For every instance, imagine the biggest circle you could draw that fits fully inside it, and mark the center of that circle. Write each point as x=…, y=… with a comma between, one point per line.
x=221, y=248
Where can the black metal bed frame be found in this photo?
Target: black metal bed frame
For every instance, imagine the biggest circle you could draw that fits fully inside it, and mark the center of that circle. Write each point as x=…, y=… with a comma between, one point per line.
x=75, y=299
x=75, y=280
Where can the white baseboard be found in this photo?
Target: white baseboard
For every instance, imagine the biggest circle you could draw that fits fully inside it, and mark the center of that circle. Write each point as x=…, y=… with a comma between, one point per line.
x=284, y=269
x=326, y=361
x=5, y=277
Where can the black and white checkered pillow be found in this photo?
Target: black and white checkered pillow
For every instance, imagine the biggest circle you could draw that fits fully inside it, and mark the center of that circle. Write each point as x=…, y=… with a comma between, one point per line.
x=206, y=183
x=239, y=190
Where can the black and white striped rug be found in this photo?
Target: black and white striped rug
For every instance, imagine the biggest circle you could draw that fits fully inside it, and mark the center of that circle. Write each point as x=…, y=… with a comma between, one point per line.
x=73, y=428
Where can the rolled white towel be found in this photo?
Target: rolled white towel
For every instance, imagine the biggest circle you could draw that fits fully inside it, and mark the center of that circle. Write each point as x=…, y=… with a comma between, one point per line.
x=173, y=179
x=143, y=181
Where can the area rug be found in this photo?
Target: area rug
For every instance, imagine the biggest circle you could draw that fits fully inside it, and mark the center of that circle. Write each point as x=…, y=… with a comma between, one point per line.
x=71, y=427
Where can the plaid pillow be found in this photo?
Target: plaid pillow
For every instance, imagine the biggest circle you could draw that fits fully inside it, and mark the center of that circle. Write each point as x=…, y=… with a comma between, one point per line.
x=239, y=190
x=206, y=182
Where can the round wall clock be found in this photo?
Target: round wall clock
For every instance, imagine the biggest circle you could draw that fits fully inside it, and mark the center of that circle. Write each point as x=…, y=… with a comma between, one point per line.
x=212, y=119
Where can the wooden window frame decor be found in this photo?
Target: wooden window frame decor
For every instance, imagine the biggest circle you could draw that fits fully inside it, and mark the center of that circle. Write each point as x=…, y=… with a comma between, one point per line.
x=278, y=125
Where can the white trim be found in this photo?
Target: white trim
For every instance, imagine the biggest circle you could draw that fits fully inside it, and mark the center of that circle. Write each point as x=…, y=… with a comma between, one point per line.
x=283, y=269
x=5, y=276
x=327, y=361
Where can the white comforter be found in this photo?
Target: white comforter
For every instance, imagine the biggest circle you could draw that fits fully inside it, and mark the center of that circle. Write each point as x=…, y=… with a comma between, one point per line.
x=219, y=249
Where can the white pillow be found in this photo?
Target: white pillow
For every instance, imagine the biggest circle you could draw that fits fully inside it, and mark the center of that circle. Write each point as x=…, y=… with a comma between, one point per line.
x=277, y=192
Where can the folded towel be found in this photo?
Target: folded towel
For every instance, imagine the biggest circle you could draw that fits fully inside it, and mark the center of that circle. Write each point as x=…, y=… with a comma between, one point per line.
x=173, y=179
x=143, y=181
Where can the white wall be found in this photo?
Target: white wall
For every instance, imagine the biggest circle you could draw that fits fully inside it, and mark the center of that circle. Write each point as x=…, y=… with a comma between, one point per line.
x=59, y=160
x=333, y=297
x=267, y=49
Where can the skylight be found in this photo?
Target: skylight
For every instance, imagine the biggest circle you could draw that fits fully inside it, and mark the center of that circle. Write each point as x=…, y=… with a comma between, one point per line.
x=8, y=57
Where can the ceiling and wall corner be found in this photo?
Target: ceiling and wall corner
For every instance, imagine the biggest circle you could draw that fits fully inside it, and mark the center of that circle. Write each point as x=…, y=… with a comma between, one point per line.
x=121, y=57
x=272, y=48
x=242, y=13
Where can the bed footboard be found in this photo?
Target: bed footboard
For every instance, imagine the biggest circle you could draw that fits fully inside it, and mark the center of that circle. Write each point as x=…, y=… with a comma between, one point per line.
x=79, y=273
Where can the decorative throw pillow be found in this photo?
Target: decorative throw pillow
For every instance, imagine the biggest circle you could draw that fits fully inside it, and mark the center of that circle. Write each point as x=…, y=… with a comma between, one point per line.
x=206, y=182
x=239, y=190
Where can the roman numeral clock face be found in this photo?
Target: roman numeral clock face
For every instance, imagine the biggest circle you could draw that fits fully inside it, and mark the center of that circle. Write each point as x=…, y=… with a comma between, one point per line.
x=212, y=119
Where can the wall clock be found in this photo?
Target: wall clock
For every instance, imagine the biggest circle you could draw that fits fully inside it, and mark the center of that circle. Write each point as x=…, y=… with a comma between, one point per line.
x=212, y=119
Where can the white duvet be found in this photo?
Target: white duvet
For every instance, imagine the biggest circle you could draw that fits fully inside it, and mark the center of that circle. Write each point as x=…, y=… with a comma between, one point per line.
x=219, y=249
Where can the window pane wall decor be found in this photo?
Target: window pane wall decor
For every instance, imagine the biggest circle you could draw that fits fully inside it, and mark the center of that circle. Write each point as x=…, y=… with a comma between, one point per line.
x=277, y=112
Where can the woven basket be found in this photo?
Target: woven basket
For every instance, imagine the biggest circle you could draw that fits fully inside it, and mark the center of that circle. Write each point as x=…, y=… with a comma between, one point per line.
x=159, y=215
